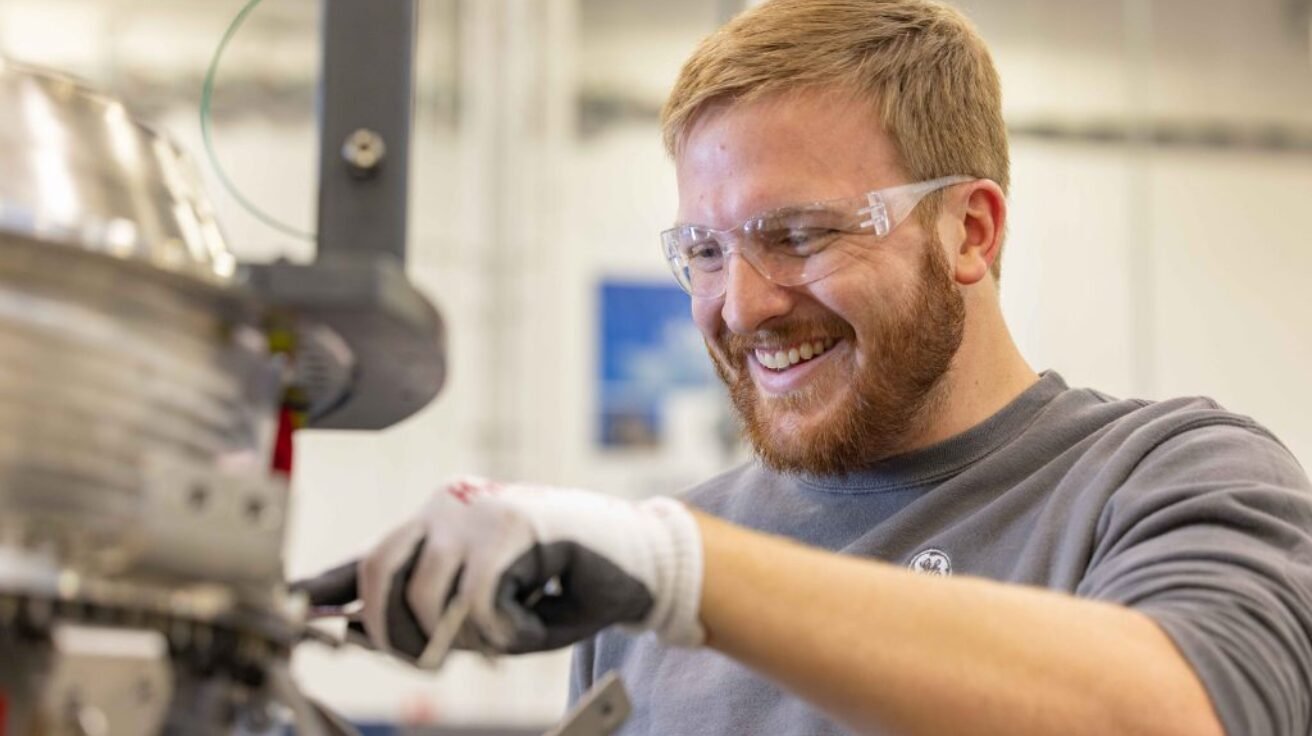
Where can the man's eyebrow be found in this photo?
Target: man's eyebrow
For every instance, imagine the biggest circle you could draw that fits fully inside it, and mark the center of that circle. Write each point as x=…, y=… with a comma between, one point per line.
x=823, y=206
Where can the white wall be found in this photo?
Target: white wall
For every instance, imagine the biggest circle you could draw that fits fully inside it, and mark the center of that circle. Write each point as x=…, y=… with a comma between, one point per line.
x=1231, y=257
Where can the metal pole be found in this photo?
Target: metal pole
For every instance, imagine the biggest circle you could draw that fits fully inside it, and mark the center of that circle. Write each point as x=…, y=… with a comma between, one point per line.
x=366, y=90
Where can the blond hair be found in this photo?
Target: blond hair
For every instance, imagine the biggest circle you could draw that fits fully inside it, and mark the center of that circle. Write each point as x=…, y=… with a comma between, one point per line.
x=920, y=64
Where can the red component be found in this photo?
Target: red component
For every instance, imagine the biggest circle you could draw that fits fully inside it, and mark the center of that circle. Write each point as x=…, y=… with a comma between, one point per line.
x=295, y=402
x=4, y=714
x=291, y=417
x=289, y=420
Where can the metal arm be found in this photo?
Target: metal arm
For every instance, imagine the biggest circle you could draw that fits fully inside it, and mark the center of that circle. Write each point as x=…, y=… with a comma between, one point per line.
x=390, y=359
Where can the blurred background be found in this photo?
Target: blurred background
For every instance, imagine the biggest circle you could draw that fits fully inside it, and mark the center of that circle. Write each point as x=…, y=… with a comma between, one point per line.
x=1162, y=164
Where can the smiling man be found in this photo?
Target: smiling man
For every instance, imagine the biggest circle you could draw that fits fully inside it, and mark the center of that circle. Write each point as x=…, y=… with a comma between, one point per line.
x=835, y=342
x=932, y=538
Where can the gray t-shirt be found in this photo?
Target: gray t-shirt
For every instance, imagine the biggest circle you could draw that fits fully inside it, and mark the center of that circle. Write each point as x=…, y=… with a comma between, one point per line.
x=1195, y=516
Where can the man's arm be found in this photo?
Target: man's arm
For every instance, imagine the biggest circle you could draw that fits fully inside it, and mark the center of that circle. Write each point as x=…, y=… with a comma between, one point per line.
x=877, y=646
x=1207, y=539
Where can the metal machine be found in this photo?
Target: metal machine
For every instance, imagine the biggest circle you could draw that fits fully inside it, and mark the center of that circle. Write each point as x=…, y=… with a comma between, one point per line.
x=140, y=520
x=144, y=385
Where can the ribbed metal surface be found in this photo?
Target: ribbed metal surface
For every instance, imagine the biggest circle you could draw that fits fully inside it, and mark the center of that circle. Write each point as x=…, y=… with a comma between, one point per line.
x=137, y=395
x=106, y=366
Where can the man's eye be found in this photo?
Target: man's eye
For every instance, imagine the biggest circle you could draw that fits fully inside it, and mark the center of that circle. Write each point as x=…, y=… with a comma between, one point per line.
x=804, y=241
x=704, y=252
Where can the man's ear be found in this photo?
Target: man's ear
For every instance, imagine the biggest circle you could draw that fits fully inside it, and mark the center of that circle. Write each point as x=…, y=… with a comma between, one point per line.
x=983, y=219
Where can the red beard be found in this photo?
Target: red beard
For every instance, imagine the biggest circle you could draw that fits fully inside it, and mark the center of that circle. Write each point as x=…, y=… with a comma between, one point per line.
x=898, y=390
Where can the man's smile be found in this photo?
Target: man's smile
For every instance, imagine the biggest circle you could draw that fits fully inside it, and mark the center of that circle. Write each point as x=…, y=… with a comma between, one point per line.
x=782, y=358
x=784, y=371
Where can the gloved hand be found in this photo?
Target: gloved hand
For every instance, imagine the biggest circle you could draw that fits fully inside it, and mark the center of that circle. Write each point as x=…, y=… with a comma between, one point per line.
x=534, y=568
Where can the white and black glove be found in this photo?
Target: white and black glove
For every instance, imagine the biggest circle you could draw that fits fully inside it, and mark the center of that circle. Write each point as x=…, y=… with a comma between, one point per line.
x=519, y=568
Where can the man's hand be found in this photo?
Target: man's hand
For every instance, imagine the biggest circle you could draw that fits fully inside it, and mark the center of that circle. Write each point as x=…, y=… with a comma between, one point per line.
x=533, y=568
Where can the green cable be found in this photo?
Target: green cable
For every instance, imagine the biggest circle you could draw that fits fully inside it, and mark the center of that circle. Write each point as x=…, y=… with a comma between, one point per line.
x=206, y=97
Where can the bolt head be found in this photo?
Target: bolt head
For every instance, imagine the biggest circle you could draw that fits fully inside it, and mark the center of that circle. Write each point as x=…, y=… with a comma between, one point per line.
x=364, y=151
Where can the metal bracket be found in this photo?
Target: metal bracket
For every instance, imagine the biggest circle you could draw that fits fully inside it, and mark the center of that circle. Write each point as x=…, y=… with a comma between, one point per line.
x=600, y=712
x=396, y=336
x=393, y=361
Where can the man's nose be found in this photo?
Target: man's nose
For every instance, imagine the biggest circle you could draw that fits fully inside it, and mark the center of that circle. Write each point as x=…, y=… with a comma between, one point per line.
x=750, y=299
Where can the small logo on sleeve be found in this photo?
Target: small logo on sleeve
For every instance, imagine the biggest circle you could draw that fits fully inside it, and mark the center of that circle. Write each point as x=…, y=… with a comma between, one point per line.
x=466, y=491
x=932, y=562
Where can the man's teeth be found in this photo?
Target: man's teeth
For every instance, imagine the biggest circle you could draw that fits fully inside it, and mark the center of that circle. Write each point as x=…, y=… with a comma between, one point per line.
x=778, y=360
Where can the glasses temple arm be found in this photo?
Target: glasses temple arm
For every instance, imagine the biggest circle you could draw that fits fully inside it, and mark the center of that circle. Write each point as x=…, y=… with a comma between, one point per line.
x=889, y=207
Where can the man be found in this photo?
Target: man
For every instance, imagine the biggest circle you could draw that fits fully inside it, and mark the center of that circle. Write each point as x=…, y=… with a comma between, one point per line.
x=1094, y=565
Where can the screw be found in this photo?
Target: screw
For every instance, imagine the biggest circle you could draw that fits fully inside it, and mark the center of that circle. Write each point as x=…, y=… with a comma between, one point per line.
x=364, y=151
x=198, y=495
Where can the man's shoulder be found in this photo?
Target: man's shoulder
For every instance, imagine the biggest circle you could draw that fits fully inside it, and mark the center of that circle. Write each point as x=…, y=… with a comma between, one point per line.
x=1145, y=425
x=1139, y=425
x=1092, y=444
x=1166, y=439
x=1198, y=437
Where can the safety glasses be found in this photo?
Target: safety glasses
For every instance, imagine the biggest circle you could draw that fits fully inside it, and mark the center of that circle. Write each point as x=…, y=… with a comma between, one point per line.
x=796, y=245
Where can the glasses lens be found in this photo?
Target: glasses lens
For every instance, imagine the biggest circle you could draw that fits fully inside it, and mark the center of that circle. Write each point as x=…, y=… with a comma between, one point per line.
x=794, y=247
x=789, y=247
x=696, y=257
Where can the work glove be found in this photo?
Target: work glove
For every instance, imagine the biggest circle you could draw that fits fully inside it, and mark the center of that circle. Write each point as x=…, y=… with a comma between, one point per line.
x=509, y=568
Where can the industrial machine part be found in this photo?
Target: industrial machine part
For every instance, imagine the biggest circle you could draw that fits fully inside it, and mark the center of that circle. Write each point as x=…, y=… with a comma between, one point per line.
x=141, y=526
x=357, y=284
x=143, y=374
x=600, y=712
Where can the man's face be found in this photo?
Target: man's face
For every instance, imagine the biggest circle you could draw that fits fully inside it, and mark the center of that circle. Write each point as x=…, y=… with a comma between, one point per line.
x=887, y=325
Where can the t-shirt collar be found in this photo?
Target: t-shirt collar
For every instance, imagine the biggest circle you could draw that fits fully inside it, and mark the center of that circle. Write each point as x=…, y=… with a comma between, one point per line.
x=944, y=459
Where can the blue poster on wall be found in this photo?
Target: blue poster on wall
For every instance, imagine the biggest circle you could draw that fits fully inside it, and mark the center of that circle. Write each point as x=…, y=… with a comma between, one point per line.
x=649, y=348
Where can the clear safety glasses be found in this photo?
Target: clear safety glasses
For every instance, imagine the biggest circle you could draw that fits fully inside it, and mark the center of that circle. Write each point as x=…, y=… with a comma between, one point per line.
x=795, y=245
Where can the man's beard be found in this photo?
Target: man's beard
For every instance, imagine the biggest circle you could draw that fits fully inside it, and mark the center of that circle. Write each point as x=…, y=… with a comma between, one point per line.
x=898, y=390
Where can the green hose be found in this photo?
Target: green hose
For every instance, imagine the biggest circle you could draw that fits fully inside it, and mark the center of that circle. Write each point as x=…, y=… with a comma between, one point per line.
x=206, y=98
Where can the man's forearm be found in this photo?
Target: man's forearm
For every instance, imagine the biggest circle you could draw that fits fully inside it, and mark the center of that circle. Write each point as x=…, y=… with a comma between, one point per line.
x=877, y=646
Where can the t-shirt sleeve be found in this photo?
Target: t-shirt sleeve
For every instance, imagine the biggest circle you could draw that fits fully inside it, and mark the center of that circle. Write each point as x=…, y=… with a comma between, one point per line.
x=1211, y=536
x=582, y=661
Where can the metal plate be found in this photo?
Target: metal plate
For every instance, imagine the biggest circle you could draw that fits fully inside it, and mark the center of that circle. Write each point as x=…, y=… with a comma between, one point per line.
x=81, y=172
